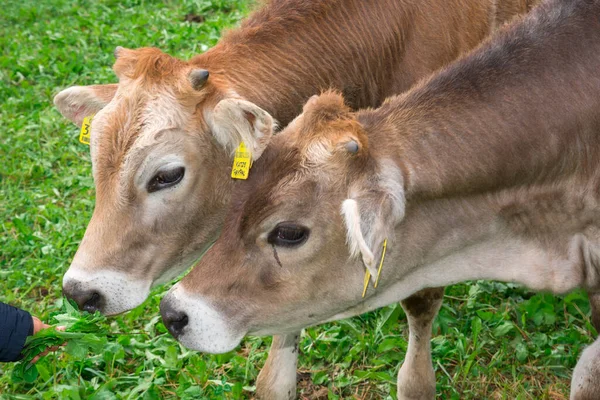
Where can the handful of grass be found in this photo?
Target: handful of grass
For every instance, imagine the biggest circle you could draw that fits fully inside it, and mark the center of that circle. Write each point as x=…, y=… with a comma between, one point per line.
x=83, y=333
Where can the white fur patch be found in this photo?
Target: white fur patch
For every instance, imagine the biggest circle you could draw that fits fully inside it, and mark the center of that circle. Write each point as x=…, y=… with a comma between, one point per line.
x=121, y=293
x=207, y=330
x=354, y=236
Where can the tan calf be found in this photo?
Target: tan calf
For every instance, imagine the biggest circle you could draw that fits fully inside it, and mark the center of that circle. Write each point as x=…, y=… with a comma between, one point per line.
x=488, y=170
x=162, y=138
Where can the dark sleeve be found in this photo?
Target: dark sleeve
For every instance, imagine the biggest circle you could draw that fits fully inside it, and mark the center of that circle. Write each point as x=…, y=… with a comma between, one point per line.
x=15, y=326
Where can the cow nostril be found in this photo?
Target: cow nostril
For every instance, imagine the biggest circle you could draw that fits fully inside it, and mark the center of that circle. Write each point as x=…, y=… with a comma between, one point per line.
x=87, y=300
x=175, y=322
x=93, y=303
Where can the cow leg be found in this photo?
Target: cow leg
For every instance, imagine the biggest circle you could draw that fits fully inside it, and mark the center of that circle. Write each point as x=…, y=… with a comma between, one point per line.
x=416, y=379
x=595, y=306
x=277, y=379
x=585, y=384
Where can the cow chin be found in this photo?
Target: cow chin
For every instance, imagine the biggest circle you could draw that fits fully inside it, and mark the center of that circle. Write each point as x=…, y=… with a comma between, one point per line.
x=115, y=292
x=196, y=324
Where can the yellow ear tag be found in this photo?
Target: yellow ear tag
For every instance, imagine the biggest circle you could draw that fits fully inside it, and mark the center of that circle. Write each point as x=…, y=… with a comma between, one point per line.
x=368, y=274
x=84, y=135
x=242, y=162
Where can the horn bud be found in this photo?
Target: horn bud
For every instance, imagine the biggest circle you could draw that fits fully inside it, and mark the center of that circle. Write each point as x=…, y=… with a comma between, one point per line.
x=351, y=146
x=198, y=78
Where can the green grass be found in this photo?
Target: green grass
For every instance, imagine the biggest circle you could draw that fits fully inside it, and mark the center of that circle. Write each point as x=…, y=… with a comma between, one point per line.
x=491, y=340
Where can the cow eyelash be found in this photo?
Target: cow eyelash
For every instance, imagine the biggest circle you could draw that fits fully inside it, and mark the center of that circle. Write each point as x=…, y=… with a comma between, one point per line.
x=288, y=235
x=165, y=179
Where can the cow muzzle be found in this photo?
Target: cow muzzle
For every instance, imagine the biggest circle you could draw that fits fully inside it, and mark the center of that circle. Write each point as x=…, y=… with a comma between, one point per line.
x=106, y=291
x=196, y=324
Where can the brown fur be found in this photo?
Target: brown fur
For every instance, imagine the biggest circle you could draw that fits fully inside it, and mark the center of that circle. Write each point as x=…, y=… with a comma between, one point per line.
x=512, y=70
x=282, y=54
x=147, y=64
x=328, y=44
x=512, y=123
x=333, y=44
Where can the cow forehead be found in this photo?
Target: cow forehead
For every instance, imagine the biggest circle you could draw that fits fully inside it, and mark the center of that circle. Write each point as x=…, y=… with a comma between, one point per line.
x=130, y=125
x=133, y=120
x=165, y=110
x=277, y=181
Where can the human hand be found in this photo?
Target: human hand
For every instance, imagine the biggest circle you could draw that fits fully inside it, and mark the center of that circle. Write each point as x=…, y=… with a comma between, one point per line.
x=38, y=325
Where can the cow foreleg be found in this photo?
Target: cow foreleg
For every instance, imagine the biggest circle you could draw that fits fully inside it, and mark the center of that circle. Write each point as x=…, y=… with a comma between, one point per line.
x=277, y=379
x=585, y=384
x=416, y=379
x=595, y=306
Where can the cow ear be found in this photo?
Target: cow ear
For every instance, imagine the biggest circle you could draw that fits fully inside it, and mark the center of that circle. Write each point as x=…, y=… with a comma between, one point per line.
x=78, y=102
x=372, y=213
x=235, y=121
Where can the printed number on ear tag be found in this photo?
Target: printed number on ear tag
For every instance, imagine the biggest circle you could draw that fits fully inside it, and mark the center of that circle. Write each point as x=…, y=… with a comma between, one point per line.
x=242, y=162
x=84, y=135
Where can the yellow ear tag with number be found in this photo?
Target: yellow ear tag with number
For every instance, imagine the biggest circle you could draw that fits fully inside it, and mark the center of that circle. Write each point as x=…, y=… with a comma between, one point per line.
x=84, y=135
x=242, y=162
x=368, y=274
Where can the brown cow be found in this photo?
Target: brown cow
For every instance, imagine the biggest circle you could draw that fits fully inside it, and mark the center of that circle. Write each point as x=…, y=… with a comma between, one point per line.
x=162, y=139
x=488, y=170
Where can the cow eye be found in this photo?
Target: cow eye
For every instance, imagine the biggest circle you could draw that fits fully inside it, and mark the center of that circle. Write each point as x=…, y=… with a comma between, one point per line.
x=288, y=235
x=164, y=179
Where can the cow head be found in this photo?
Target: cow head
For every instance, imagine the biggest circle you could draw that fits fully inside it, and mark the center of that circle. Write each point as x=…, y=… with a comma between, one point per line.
x=313, y=214
x=162, y=141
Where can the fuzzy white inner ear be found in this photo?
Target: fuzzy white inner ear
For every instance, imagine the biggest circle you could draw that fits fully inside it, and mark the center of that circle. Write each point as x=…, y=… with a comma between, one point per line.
x=236, y=121
x=354, y=237
x=78, y=102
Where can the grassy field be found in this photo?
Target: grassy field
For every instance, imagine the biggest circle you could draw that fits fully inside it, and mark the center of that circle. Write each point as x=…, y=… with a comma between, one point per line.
x=491, y=340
